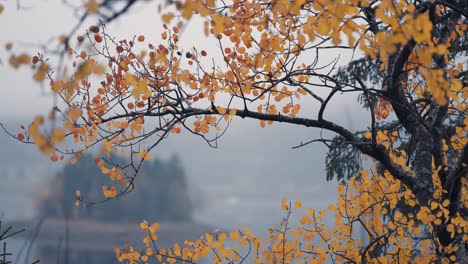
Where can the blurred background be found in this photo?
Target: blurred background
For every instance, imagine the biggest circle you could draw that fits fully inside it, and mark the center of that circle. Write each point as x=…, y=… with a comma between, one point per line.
x=238, y=184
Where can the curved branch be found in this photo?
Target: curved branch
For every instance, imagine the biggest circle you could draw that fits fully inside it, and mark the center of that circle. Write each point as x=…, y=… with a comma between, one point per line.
x=394, y=90
x=378, y=152
x=398, y=100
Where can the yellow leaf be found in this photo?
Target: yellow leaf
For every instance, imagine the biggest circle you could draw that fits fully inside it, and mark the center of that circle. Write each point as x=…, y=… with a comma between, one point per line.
x=154, y=226
x=232, y=112
x=323, y=28
x=99, y=69
x=176, y=250
x=368, y=135
x=234, y=235
x=145, y=155
x=218, y=23
x=166, y=18
x=445, y=203
x=91, y=6
x=283, y=204
x=58, y=135
x=322, y=212
x=422, y=28
x=55, y=86
x=221, y=110
x=298, y=204
x=74, y=113
x=130, y=79
x=149, y=251
x=144, y=226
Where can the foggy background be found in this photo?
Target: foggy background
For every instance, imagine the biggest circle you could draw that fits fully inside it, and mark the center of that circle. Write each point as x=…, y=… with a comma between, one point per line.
x=241, y=182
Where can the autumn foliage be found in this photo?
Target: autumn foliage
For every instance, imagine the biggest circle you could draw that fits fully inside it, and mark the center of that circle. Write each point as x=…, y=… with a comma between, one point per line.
x=409, y=71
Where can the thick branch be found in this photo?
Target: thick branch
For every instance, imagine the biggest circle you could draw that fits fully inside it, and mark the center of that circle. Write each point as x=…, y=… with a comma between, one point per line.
x=395, y=92
x=366, y=147
x=397, y=97
x=377, y=152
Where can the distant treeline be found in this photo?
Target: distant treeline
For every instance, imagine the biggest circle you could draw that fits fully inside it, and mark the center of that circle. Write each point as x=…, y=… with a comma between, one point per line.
x=161, y=193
